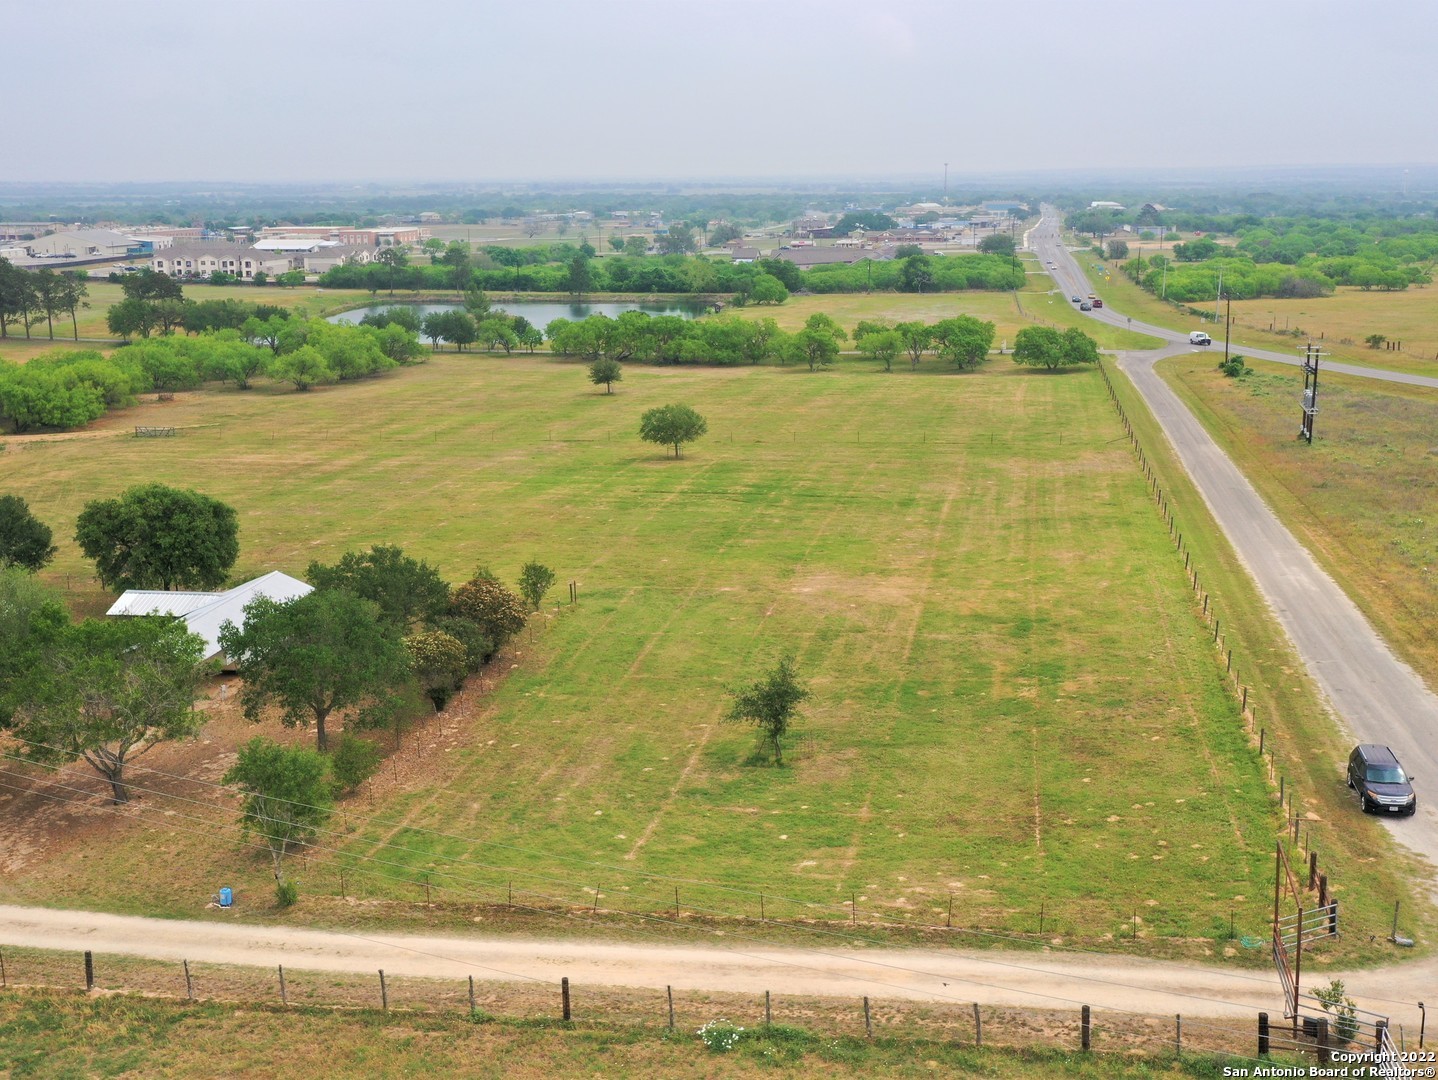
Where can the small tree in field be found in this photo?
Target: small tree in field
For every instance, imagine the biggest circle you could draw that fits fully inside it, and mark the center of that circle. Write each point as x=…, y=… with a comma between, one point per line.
x=24, y=538
x=672, y=425
x=606, y=372
x=288, y=794
x=535, y=579
x=769, y=704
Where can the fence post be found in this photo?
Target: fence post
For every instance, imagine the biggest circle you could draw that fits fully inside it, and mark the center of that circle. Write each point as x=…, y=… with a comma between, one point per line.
x=89, y=970
x=1178, y=1035
x=978, y=1026
x=768, y=1012
x=1085, y=1029
x=564, y=995
x=1379, y=1030
x=4, y=981
x=471, y=997
x=1263, y=1034
x=383, y=992
x=670, y=991
x=284, y=997
x=868, y=1025
x=1312, y=867
x=189, y=985
x=1324, y=1054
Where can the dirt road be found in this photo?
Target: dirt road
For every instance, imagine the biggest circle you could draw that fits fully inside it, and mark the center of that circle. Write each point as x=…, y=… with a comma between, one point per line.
x=1021, y=979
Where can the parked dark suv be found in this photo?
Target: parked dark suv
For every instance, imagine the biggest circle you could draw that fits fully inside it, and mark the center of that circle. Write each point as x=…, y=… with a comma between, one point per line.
x=1381, y=784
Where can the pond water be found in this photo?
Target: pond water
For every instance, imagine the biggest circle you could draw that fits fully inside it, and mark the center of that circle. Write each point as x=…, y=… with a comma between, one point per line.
x=541, y=313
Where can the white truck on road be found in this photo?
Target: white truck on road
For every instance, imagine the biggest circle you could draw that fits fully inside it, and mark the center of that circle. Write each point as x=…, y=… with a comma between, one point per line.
x=1198, y=337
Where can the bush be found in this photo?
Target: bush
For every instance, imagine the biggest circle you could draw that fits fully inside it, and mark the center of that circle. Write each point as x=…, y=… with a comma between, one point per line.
x=353, y=762
x=1233, y=367
x=286, y=893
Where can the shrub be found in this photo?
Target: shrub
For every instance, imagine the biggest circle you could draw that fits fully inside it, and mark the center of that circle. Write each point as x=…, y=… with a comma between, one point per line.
x=286, y=893
x=496, y=611
x=353, y=762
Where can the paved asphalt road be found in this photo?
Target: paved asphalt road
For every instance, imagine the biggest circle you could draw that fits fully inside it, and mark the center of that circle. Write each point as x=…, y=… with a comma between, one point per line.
x=1376, y=696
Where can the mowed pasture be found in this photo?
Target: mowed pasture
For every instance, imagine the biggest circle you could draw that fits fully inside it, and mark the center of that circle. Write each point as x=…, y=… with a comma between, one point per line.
x=1013, y=704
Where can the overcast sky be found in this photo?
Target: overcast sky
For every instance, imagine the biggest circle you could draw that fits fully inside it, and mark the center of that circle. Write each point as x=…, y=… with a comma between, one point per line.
x=283, y=90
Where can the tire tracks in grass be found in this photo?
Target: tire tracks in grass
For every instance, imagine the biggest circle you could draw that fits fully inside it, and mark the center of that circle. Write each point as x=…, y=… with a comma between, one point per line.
x=653, y=824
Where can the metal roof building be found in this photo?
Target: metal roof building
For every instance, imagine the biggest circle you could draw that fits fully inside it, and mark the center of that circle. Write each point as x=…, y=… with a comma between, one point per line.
x=204, y=613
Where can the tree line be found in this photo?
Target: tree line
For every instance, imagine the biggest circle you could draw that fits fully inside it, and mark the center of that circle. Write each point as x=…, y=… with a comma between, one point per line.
x=71, y=388
x=28, y=296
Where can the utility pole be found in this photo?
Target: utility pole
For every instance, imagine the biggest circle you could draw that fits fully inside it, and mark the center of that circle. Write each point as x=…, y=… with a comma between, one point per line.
x=1310, y=391
x=946, y=183
x=1227, y=326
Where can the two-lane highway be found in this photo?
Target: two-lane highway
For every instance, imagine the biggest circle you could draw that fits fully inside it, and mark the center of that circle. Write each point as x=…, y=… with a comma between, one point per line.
x=1377, y=696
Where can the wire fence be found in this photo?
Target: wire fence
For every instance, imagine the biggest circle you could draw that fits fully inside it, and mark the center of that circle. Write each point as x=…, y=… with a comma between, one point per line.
x=1250, y=1037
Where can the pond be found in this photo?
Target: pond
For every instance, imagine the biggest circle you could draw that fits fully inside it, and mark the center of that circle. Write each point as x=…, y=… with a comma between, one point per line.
x=541, y=313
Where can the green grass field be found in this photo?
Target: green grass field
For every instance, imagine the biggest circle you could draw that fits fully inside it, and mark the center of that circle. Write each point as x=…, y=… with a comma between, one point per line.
x=58, y=1034
x=990, y=720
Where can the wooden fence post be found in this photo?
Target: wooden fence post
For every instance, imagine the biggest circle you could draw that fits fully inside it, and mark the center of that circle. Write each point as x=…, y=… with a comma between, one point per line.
x=1325, y=1055
x=89, y=970
x=1263, y=1034
x=1177, y=1035
x=383, y=992
x=189, y=984
x=768, y=1011
x=4, y=981
x=978, y=1026
x=1085, y=1029
x=284, y=997
x=670, y=991
x=471, y=997
x=564, y=995
x=868, y=1025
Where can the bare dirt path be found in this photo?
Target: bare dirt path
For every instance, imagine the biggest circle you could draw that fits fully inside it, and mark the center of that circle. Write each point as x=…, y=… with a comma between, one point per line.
x=1019, y=979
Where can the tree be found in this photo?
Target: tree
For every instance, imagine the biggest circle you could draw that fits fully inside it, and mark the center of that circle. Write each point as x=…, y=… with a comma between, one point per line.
x=304, y=367
x=723, y=233
x=393, y=258
x=916, y=337
x=818, y=342
x=288, y=794
x=17, y=296
x=672, y=425
x=312, y=656
x=606, y=371
x=353, y=761
x=767, y=289
x=1376, y=341
x=535, y=579
x=146, y=284
x=291, y=279
x=158, y=537
x=997, y=244
x=636, y=247
x=131, y=316
x=32, y=617
x=405, y=590
x=769, y=704
x=439, y=663
x=580, y=279
x=24, y=538
x=916, y=274
x=485, y=603
x=1043, y=346
x=108, y=690
x=677, y=240
x=1117, y=250
x=963, y=340
x=882, y=346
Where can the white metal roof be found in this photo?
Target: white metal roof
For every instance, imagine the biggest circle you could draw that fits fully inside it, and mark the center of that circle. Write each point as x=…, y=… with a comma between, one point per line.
x=205, y=613
x=147, y=602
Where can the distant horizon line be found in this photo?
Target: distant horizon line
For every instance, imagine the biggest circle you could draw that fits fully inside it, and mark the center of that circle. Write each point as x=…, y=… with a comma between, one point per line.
x=827, y=178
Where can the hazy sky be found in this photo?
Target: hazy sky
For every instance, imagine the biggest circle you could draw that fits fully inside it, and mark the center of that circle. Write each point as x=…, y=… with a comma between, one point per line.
x=277, y=90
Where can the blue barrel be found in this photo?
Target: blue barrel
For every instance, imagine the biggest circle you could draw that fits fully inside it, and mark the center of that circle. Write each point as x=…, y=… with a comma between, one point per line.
x=226, y=897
